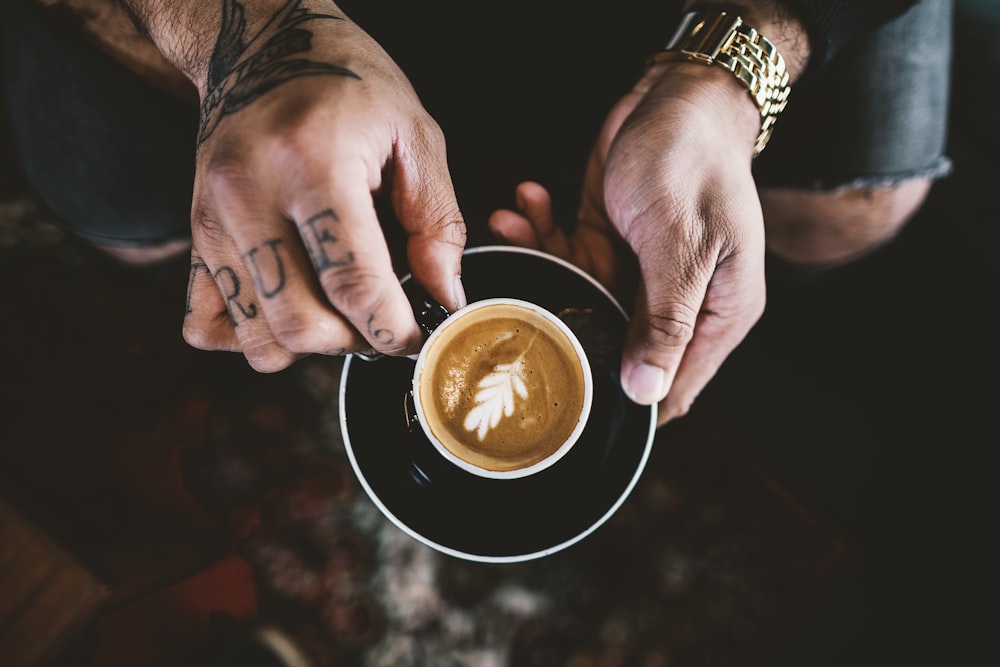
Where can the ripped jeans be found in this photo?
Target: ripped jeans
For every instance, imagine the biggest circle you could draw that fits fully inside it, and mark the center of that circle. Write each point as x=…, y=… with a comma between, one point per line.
x=112, y=155
x=875, y=116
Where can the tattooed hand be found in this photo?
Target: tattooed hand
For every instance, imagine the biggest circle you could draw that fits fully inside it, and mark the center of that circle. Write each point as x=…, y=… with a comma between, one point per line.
x=303, y=118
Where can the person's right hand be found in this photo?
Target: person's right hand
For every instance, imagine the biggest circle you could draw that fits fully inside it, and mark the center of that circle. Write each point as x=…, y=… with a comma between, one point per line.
x=304, y=118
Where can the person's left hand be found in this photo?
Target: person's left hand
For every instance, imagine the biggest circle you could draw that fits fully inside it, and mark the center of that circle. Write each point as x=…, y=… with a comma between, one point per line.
x=670, y=177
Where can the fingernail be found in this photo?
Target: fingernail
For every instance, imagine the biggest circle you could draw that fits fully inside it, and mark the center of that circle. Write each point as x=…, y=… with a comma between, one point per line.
x=646, y=385
x=459, y=295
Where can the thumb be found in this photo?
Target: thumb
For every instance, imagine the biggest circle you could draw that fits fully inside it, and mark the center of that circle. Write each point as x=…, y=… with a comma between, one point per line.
x=658, y=336
x=427, y=208
x=684, y=327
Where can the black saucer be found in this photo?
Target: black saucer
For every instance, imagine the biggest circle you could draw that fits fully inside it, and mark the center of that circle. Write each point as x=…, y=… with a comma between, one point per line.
x=490, y=520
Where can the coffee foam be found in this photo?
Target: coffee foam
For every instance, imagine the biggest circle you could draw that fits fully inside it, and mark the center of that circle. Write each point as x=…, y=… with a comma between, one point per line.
x=513, y=390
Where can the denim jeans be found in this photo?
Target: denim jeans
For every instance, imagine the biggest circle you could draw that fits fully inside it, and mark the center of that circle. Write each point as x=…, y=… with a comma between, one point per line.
x=876, y=115
x=112, y=156
x=108, y=153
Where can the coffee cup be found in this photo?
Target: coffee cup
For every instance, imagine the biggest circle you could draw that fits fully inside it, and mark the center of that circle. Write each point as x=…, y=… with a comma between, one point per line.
x=502, y=388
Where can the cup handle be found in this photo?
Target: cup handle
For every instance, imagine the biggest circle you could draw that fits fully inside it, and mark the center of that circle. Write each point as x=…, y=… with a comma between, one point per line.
x=430, y=314
x=410, y=411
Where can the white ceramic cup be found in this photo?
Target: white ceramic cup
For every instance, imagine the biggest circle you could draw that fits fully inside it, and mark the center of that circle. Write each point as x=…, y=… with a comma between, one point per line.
x=502, y=388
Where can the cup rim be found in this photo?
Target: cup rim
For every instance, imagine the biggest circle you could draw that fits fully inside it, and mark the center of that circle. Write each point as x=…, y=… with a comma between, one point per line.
x=572, y=438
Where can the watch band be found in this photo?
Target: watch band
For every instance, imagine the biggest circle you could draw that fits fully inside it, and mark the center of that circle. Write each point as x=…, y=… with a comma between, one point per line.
x=723, y=39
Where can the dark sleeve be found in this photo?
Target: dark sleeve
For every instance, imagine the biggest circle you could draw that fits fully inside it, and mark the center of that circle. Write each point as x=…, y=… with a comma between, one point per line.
x=833, y=23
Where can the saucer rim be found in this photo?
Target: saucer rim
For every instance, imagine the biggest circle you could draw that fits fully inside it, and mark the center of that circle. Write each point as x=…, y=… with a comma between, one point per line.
x=515, y=558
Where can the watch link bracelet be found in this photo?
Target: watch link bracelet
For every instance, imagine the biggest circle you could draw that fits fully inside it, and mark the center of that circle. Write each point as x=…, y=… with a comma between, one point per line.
x=722, y=38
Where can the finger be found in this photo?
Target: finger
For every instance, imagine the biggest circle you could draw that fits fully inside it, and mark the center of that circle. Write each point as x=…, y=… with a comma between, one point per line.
x=588, y=247
x=591, y=246
x=339, y=228
x=600, y=250
x=298, y=314
x=425, y=203
x=207, y=324
x=513, y=228
x=531, y=226
x=534, y=226
x=535, y=202
x=734, y=303
x=657, y=337
x=688, y=318
x=235, y=285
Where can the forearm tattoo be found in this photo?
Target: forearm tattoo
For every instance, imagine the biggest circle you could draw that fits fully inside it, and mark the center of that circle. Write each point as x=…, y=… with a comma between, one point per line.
x=245, y=67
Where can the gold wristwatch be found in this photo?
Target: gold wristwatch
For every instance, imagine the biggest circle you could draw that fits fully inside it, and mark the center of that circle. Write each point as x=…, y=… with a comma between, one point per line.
x=723, y=39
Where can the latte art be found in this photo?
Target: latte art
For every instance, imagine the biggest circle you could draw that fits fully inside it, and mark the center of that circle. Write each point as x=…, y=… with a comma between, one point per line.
x=496, y=397
x=504, y=388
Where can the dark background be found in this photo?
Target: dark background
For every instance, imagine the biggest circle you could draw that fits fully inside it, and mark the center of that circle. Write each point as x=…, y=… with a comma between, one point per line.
x=867, y=390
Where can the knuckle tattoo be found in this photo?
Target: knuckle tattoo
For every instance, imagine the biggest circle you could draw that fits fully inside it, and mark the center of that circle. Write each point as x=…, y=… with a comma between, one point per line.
x=231, y=285
x=321, y=237
x=267, y=268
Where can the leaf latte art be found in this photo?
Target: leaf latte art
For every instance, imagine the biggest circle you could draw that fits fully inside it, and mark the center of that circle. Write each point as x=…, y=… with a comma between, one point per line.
x=496, y=397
